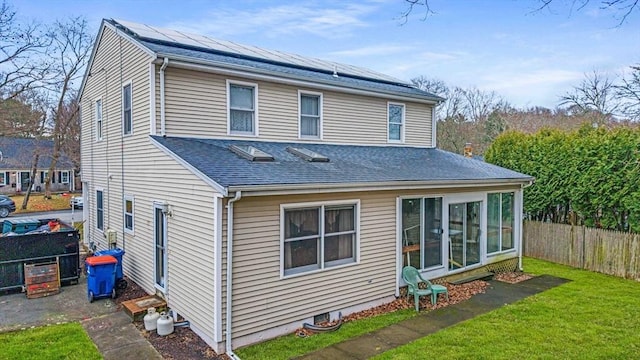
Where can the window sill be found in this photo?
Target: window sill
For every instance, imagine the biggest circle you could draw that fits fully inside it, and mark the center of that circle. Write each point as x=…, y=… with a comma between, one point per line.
x=310, y=272
x=498, y=253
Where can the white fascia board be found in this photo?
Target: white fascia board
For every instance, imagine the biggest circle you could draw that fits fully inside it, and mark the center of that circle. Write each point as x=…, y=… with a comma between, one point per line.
x=288, y=189
x=278, y=77
x=219, y=188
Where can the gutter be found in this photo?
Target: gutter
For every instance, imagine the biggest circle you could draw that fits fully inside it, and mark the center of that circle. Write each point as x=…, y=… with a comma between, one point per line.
x=229, y=350
x=294, y=189
x=279, y=77
x=165, y=62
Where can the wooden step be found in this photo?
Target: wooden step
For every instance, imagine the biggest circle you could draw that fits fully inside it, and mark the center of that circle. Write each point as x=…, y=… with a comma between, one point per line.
x=478, y=276
x=137, y=308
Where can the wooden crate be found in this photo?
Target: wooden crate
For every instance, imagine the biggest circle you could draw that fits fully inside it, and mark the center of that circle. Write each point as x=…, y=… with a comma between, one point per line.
x=137, y=308
x=41, y=279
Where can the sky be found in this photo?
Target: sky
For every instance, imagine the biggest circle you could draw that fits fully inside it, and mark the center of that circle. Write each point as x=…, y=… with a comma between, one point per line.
x=530, y=57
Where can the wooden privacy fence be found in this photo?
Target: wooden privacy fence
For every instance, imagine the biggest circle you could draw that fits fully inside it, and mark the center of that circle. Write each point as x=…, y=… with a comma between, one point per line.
x=609, y=252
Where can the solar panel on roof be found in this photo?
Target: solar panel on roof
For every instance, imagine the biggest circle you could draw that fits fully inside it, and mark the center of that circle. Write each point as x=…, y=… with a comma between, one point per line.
x=180, y=37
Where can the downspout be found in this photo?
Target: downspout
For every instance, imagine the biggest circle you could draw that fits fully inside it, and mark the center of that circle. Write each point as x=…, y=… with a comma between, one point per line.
x=165, y=62
x=520, y=248
x=238, y=196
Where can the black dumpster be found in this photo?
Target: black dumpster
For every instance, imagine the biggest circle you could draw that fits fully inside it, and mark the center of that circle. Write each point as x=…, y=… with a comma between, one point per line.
x=52, y=240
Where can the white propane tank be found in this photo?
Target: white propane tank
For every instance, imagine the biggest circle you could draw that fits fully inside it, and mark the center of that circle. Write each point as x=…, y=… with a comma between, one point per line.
x=165, y=324
x=151, y=319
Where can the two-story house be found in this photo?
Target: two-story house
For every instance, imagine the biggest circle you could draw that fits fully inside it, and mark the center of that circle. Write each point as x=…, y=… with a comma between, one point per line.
x=256, y=190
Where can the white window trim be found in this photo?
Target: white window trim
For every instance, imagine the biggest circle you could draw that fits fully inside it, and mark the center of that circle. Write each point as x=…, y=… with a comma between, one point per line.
x=165, y=257
x=515, y=239
x=320, y=114
x=125, y=84
x=255, y=108
x=321, y=204
x=125, y=213
x=103, y=212
x=62, y=173
x=3, y=177
x=99, y=129
x=402, y=124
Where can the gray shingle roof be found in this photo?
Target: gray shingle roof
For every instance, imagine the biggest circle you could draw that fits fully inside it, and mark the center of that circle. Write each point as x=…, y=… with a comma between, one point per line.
x=18, y=153
x=348, y=164
x=187, y=51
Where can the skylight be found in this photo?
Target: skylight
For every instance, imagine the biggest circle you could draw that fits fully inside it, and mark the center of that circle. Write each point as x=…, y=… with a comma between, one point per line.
x=307, y=154
x=251, y=153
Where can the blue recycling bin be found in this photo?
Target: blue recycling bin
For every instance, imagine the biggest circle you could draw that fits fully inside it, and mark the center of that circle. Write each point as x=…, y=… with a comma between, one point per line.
x=116, y=253
x=101, y=276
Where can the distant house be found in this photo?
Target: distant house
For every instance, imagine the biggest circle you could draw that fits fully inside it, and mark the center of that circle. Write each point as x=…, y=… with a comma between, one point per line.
x=256, y=190
x=16, y=162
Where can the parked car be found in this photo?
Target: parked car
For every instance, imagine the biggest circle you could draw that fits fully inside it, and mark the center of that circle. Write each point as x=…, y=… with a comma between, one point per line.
x=76, y=202
x=7, y=206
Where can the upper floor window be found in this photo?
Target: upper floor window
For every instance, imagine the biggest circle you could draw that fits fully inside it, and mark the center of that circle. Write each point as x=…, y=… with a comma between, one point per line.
x=396, y=122
x=127, y=126
x=242, y=108
x=98, y=107
x=128, y=213
x=310, y=115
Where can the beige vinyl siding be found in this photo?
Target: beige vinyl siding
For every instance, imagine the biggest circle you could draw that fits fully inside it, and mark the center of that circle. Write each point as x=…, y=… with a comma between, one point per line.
x=196, y=105
x=149, y=175
x=262, y=300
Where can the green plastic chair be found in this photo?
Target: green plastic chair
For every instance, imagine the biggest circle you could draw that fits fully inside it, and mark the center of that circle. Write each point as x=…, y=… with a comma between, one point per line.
x=412, y=277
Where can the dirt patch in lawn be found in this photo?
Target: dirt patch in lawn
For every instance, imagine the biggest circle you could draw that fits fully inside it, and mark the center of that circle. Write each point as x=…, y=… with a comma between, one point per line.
x=512, y=277
x=185, y=344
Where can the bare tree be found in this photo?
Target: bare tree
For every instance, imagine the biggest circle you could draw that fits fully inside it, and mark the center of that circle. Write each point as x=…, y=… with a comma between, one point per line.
x=71, y=48
x=622, y=8
x=595, y=94
x=21, y=67
x=629, y=94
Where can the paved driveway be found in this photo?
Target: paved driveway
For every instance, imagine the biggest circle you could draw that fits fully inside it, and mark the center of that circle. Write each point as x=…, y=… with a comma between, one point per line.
x=71, y=304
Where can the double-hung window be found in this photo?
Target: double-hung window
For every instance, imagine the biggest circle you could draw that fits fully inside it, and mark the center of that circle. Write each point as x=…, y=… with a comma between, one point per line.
x=319, y=236
x=127, y=126
x=500, y=222
x=3, y=179
x=310, y=115
x=128, y=213
x=98, y=108
x=242, y=108
x=99, y=210
x=64, y=177
x=395, y=115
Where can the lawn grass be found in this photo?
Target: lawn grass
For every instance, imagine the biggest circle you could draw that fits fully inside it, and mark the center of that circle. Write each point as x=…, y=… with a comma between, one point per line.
x=591, y=317
x=38, y=203
x=288, y=346
x=65, y=341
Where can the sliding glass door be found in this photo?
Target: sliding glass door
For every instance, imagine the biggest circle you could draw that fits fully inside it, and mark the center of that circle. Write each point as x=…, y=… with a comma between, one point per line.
x=422, y=232
x=464, y=234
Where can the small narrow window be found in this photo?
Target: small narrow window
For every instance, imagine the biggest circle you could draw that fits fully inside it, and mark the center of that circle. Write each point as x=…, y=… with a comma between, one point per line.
x=128, y=214
x=99, y=210
x=396, y=122
x=310, y=115
x=99, y=119
x=3, y=180
x=127, y=126
x=242, y=109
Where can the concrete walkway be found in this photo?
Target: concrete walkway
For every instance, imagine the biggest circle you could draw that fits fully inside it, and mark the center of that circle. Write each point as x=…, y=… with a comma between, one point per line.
x=497, y=295
x=115, y=336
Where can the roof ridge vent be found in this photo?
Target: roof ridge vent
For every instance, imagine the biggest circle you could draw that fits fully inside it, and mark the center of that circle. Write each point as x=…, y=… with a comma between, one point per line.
x=308, y=155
